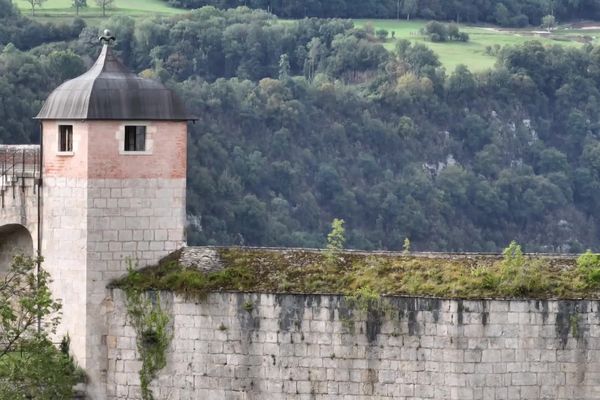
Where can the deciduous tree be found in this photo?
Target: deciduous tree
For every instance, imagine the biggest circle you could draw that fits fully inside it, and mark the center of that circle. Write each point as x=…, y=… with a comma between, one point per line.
x=31, y=367
x=409, y=7
x=34, y=4
x=548, y=22
x=104, y=4
x=79, y=4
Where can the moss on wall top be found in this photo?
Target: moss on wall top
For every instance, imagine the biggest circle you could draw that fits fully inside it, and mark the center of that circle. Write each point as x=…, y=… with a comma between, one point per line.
x=511, y=275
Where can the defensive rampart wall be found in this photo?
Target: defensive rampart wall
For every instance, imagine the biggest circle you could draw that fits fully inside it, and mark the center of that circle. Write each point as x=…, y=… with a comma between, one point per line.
x=267, y=346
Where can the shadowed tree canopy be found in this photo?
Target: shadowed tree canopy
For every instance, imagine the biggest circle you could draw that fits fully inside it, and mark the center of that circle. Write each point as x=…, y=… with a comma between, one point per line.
x=501, y=12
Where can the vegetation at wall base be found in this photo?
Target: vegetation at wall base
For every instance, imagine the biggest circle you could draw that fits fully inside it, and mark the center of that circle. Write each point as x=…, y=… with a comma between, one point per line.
x=364, y=276
x=31, y=366
x=38, y=370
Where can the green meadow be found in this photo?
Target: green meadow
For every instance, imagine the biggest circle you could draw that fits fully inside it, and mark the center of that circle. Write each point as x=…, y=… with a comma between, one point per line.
x=473, y=53
x=62, y=9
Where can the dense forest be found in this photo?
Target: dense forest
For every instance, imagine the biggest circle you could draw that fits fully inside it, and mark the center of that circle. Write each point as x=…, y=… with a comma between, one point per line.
x=501, y=12
x=303, y=122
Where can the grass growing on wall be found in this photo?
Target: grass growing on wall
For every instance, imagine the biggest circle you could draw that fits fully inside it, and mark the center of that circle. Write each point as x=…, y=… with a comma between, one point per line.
x=512, y=275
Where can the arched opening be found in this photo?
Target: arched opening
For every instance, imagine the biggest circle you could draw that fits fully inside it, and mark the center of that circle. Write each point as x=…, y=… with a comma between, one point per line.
x=14, y=239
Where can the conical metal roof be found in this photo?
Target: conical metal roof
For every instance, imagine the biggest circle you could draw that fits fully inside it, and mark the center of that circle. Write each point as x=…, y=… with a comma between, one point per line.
x=109, y=91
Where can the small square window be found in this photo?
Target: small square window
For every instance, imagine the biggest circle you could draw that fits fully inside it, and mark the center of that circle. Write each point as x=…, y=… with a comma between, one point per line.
x=135, y=138
x=65, y=138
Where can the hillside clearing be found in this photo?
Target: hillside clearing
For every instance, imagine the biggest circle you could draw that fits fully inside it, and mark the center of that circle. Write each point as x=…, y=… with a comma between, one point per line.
x=474, y=54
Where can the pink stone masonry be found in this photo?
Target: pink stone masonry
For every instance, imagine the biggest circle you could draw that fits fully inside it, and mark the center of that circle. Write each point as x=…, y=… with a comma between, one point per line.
x=96, y=151
x=66, y=166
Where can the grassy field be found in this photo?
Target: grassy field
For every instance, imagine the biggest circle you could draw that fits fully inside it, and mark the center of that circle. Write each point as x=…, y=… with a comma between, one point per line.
x=62, y=10
x=473, y=54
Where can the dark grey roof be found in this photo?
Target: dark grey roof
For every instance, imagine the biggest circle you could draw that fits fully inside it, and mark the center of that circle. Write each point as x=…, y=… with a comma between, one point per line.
x=109, y=91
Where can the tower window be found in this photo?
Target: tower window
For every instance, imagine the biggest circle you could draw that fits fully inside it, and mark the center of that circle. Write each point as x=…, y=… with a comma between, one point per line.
x=65, y=138
x=135, y=138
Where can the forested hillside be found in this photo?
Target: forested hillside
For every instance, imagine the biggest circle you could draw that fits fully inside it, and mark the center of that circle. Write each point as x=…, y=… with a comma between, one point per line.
x=500, y=12
x=303, y=122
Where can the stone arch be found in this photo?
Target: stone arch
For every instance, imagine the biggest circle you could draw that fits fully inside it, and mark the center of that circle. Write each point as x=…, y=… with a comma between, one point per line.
x=14, y=239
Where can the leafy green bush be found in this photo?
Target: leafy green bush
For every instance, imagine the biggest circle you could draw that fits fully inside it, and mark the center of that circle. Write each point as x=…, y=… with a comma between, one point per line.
x=382, y=34
x=31, y=367
x=438, y=32
x=518, y=275
x=38, y=370
x=364, y=299
x=488, y=279
x=588, y=265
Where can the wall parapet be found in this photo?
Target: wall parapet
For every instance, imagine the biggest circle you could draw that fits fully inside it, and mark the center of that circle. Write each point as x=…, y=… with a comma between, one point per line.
x=19, y=170
x=267, y=346
x=197, y=256
x=19, y=201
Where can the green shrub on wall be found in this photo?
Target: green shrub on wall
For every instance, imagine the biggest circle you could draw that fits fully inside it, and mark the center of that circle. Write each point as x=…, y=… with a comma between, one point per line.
x=335, y=241
x=520, y=276
x=588, y=265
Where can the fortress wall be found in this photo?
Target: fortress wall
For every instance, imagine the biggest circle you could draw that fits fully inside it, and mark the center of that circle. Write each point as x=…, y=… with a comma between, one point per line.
x=19, y=170
x=262, y=346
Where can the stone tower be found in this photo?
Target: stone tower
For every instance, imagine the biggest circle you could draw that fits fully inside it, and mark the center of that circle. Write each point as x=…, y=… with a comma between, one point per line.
x=114, y=187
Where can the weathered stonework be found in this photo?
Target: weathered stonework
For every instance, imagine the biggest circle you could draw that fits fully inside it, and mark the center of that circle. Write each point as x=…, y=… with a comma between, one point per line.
x=267, y=346
x=64, y=233
x=205, y=259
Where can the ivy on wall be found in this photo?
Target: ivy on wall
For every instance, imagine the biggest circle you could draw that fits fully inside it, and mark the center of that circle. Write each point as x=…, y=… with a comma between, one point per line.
x=153, y=337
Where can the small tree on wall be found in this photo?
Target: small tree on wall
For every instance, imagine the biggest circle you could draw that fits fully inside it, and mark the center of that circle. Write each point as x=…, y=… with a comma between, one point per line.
x=335, y=241
x=34, y=4
x=104, y=4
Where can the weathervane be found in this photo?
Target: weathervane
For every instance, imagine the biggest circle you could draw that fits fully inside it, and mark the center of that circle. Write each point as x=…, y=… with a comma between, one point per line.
x=107, y=37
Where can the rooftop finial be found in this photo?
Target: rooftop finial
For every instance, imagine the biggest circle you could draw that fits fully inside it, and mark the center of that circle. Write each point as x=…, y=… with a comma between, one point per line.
x=107, y=37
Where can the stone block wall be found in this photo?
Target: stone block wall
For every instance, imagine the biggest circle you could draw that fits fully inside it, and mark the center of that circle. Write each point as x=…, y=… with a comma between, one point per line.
x=92, y=230
x=129, y=221
x=262, y=346
x=64, y=232
x=19, y=190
